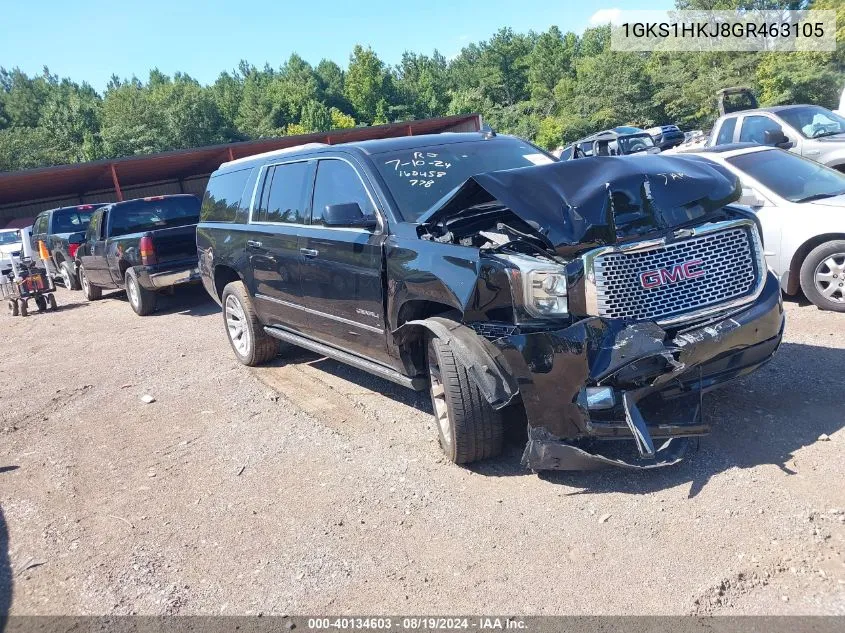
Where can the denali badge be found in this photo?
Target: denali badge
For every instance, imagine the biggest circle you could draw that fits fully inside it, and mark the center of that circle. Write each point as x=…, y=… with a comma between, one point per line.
x=678, y=272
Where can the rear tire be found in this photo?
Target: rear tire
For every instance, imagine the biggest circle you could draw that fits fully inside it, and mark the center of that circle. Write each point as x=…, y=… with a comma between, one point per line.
x=24, y=307
x=470, y=429
x=41, y=303
x=13, y=307
x=823, y=276
x=143, y=301
x=51, y=302
x=69, y=276
x=92, y=292
x=251, y=344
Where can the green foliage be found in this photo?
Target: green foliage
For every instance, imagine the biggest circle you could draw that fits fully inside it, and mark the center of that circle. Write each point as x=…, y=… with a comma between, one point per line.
x=368, y=84
x=552, y=88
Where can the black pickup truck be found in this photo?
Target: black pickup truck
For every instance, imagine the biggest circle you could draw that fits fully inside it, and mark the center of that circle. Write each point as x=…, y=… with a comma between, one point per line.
x=600, y=297
x=144, y=245
x=62, y=230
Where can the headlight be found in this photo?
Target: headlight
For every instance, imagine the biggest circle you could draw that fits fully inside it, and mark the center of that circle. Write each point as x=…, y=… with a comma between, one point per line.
x=546, y=292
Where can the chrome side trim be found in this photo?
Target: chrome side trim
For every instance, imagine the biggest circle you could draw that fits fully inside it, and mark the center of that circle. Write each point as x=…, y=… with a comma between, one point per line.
x=589, y=259
x=288, y=304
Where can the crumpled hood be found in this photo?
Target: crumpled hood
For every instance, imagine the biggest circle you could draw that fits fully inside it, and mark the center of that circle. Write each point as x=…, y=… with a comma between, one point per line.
x=589, y=202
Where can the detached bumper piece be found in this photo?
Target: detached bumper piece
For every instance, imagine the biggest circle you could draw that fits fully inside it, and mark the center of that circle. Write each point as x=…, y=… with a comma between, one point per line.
x=615, y=393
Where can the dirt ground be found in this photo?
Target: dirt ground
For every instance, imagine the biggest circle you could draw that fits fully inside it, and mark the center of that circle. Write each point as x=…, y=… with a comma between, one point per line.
x=308, y=487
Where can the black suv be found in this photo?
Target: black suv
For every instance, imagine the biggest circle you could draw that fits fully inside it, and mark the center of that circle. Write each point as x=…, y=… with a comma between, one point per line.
x=601, y=297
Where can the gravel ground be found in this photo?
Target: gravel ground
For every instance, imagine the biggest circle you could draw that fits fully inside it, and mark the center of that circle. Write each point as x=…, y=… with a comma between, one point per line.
x=309, y=487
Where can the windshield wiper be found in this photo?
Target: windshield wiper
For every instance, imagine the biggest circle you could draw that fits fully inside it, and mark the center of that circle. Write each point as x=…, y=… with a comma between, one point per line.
x=819, y=196
x=831, y=133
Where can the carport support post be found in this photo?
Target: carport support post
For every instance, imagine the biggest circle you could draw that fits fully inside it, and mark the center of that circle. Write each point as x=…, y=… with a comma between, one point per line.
x=117, y=190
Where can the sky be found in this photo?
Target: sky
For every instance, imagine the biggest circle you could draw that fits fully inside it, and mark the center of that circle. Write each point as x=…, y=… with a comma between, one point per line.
x=89, y=40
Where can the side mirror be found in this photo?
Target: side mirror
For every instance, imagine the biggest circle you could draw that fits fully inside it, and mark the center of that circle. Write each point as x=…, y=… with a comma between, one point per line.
x=751, y=198
x=776, y=138
x=348, y=214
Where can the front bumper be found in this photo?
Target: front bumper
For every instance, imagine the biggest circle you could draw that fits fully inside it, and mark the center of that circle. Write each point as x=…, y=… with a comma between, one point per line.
x=657, y=376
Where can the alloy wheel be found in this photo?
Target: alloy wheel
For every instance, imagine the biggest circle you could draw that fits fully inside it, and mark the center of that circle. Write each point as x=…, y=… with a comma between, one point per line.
x=132, y=291
x=438, y=401
x=830, y=278
x=236, y=325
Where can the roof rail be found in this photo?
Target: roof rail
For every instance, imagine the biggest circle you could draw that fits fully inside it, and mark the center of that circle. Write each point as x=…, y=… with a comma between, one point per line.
x=276, y=152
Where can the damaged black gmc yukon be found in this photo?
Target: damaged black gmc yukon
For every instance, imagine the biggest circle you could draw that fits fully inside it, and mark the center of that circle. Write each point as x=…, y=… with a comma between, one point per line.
x=602, y=296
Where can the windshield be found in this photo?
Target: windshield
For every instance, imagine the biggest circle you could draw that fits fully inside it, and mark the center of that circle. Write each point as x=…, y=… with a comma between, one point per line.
x=814, y=121
x=151, y=214
x=71, y=220
x=791, y=177
x=634, y=144
x=419, y=176
x=10, y=237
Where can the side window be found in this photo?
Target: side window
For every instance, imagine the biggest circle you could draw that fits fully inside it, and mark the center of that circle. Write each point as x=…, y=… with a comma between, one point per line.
x=586, y=148
x=223, y=196
x=93, y=232
x=566, y=154
x=726, y=132
x=40, y=225
x=338, y=183
x=754, y=129
x=284, y=196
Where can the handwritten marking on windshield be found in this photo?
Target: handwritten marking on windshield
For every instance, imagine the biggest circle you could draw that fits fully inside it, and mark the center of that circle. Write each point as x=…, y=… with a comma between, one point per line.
x=422, y=170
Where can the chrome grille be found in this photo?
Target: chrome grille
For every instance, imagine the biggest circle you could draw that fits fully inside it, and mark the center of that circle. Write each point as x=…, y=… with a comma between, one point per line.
x=729, y=262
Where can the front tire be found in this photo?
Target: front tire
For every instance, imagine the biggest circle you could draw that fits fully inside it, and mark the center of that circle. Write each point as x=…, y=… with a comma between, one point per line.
x=68, y=276
x=823, y=276
x=469, y=428
x=143, y=301
x=92, y=292
x=251, y=344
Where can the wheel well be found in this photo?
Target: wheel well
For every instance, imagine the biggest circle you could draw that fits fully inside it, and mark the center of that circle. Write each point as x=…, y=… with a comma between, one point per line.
x=123, y=266
x=59, y=258
x=412, y=347
x=222, y=276
x=840, y=167
x=800, y=255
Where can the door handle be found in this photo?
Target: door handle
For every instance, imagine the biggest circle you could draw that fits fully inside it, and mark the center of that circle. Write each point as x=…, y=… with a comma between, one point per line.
x=253, y=243
x=309, y=252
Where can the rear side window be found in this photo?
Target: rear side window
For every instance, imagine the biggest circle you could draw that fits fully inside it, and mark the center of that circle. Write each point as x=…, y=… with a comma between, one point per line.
x=139, y=216
x=223, y=196
x=70, y=220
x=726, y=132
x=40, y=225
x=284, y=197
x=338, y=183
x=94, y=225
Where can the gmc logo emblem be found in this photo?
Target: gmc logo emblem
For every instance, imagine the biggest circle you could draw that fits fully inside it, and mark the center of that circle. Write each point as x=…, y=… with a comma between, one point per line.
x=678, y=272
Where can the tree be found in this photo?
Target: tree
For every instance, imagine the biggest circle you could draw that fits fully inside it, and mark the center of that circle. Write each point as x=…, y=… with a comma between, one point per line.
x=549, y=63
x=421, y=84
x=367, y=84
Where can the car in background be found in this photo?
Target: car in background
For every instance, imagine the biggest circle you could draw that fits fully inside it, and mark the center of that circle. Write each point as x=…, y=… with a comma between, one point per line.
x=143, y=246
x=810, y=131
x=619, y=141
x=801, y=206
x=10, y=246
x=62, y=230
x=666, y=136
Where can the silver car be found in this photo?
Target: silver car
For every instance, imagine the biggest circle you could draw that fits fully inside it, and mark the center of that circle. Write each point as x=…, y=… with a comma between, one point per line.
x=801, y=206
x=807, y=130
